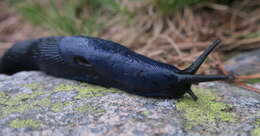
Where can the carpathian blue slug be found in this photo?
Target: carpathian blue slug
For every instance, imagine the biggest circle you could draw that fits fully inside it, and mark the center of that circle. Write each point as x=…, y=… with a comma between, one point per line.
x=105, y=63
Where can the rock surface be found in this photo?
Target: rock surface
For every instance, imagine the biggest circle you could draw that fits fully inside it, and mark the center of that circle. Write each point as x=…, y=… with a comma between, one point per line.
x=244, y=63
x=33, y=103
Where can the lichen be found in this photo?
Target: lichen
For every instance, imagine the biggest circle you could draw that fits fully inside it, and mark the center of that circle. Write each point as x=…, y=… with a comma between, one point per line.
x=208, y=109
x=33, y=86
x=25, y=123
x=2, y=94
x=85, y=90
x=16, y=106
x=256, y=130
x=57, y=107
x=26, y=102
x=145, y=112
x=68, y=103
x=64, y=87
x=3, y=98
x=45, y=102
x=90, y=109
x=20, y=98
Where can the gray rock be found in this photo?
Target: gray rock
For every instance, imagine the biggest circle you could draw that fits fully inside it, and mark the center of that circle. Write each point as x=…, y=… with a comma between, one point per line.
x=244, y=63
x=32, y=103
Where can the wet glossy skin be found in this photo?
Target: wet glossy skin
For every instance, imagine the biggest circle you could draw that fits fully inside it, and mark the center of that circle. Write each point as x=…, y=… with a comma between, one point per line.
x=103, y=63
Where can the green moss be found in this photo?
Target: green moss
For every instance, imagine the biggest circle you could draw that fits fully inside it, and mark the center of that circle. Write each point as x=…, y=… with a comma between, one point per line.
x=33, y=86
x=206, y=110
x=256, y=130
x=24, y=123
x=90, y=109
x=85, y=90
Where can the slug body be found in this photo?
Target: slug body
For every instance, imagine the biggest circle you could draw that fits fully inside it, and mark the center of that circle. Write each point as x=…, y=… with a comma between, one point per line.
x=105, y=63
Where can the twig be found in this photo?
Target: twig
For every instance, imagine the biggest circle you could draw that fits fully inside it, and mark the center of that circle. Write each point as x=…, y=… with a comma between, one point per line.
x=246, y=77
x=173, y=44
x=243, y=85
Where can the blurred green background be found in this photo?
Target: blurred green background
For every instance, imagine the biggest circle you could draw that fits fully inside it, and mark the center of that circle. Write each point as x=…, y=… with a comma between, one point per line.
x=88, y=17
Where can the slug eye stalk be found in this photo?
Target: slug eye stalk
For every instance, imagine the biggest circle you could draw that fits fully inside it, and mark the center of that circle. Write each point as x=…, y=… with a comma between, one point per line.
x=193, y=68
x=188, y=75
x=192, y=95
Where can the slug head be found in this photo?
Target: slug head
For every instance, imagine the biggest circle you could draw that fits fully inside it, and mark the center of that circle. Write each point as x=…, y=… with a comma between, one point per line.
x=187, y=77
x=186, y=80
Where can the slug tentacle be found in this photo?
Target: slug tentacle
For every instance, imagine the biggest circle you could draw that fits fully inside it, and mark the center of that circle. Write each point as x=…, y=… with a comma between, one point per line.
x=187, y=80
x=193, y=79
x=193, y=68
x=193, y=96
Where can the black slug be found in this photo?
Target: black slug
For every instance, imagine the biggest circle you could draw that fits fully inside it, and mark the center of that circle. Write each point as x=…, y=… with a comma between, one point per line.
x=105, y=63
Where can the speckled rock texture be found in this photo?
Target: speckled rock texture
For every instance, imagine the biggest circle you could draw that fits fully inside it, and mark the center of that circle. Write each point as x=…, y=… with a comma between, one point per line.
x=32, y=103
x=244, y=63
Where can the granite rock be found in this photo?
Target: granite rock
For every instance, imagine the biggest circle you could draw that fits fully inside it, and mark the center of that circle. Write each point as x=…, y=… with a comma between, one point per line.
x=244, y=63
x=33, y=103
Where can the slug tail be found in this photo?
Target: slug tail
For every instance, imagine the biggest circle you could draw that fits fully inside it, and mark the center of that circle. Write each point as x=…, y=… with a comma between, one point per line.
x=193, y=68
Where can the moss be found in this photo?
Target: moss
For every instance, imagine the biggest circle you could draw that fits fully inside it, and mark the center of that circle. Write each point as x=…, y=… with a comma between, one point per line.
x=256, y=130
x=24, y=123
x=90, y=109
x=33, y=86
x=204, y=111
x=85, y=90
